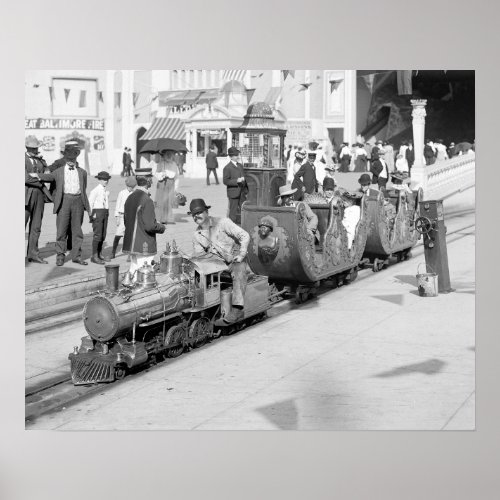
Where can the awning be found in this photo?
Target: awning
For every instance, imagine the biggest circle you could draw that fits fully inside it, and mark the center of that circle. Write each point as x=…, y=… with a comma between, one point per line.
x=166, y=128
x=187, y=97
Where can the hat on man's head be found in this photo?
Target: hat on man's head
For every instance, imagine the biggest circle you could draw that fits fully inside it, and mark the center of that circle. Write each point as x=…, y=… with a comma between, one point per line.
x=365, y=179
x=131, y=182
x=286, y=190
x=144, y=172
x=232, y=151
x=300, y=154
x=328, y=184
x=311, y=154
x=103, y=175
x=32, y=142
x=398, y=177
x=267, y=221
x=197, y=206
x=72, y=144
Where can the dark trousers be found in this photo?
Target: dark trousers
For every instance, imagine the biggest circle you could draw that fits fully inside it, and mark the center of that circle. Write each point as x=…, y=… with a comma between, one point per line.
x=235, y=210
x=33, y=212
x=70, y=218
x=209, y=170
x=100, y=223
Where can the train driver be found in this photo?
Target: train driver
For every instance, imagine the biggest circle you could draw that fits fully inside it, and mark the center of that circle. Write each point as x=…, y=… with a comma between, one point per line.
x=225, y=240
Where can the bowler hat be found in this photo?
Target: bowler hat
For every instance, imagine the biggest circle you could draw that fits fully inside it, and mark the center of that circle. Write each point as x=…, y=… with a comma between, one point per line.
x=32, y=142
x=144, y=172
x=197, y=206
x=103, y=175
x=328, y=184
x=286, y=190
x=311, y=154
x=365, y=179
x=233, y=151
x=267, y=221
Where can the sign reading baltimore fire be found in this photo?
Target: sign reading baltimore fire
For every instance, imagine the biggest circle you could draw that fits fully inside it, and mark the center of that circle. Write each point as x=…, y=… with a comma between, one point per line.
x=63, y=123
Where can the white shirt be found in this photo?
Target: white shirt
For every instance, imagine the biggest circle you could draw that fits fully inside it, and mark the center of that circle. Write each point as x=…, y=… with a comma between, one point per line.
x=71, y=180
x=350, y=220
x=99, y=197
x=384, y=173
x=120, y=202
x=345, y=151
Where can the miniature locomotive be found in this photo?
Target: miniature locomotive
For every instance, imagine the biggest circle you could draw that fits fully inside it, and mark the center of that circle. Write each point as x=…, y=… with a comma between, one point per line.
x=176, y=305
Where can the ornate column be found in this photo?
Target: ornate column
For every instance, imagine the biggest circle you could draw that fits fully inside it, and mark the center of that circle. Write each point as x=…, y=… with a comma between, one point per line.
x=418, y=174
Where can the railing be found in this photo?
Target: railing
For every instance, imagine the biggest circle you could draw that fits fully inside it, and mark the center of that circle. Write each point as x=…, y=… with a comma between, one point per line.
x=445, y=178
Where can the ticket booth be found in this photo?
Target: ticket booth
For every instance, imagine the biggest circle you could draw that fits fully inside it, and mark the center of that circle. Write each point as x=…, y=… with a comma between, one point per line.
x=261, y=140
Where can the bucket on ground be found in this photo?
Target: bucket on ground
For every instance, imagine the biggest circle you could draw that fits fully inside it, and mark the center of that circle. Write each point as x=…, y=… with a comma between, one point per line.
x=427, y=283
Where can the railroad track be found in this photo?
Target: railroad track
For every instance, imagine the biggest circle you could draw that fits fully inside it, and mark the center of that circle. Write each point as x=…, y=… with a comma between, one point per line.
x=57, y=393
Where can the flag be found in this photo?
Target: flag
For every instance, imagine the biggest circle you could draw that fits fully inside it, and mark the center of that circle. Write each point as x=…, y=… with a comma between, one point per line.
x=83, y=99
x=404, y=82
x=36, y=85
x=369, y=79
x=66, y=94
x=304, y=86
x=250, y=93
x=51, y=93
x=136, y=115
x=258, y=76
x=335, y=84
x=118, y=99
x=154, y=98
x=287, y=72
x=135, y=97
x=99, y=96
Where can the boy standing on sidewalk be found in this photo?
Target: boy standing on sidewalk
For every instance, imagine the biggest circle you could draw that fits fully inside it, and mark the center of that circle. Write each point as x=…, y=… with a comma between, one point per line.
x=131, y=183
x=99, y=213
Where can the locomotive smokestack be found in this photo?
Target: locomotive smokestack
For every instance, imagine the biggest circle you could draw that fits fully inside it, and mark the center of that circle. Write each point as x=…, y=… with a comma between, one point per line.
x=112, y=272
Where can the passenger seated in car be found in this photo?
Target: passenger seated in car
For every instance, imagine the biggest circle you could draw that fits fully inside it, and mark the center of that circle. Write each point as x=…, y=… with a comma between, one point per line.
x=285, y=199
x=352, y=214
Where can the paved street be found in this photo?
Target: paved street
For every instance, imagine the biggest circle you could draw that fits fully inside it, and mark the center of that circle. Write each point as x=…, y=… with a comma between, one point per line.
x=373, y=355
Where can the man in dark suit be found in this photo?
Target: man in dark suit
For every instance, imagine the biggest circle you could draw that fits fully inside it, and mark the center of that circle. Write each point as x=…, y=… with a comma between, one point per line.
x=234, y=178
x=70, y=202
x=212, y=164
x=36, y=195
x=128, y=163
x=307, y=172
x=141, y=226
x=380, y=171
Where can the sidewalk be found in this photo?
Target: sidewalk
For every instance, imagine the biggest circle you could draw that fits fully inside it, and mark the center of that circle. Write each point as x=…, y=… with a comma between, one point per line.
x=39, y=276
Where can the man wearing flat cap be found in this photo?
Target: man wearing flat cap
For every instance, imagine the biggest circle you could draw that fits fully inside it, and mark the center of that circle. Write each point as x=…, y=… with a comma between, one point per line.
x=36, y=195
x=141, y=226
x=99, y=214
x=223, y=239
x=70, y=203
x=233, y=177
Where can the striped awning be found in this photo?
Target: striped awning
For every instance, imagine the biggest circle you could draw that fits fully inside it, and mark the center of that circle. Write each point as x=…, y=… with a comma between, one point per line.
x=166, y=128
x=234, y=74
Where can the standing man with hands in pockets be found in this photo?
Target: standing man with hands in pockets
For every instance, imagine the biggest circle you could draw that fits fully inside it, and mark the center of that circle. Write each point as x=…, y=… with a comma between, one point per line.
x=234, y=178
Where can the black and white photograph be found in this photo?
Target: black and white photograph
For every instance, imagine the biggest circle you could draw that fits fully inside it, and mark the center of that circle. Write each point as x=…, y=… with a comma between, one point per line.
x=250, y=249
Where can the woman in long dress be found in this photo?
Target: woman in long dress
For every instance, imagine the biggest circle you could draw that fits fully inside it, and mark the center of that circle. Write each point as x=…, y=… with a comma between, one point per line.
x=167, y=177
x=360, y=158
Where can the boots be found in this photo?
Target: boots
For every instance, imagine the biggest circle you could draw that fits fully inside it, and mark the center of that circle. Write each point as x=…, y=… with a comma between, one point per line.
x=116, y=240
x=99, y=252
x=95, y=253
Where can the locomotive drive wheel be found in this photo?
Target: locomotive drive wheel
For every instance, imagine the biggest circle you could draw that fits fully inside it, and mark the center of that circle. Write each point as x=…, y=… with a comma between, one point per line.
x=174, y=336
x=200, y=330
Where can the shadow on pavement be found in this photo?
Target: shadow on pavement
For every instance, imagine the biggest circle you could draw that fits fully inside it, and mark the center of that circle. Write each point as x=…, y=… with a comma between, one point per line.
x=407, y=278
x=282, y=414
x=394, y=299
x=430, y=367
